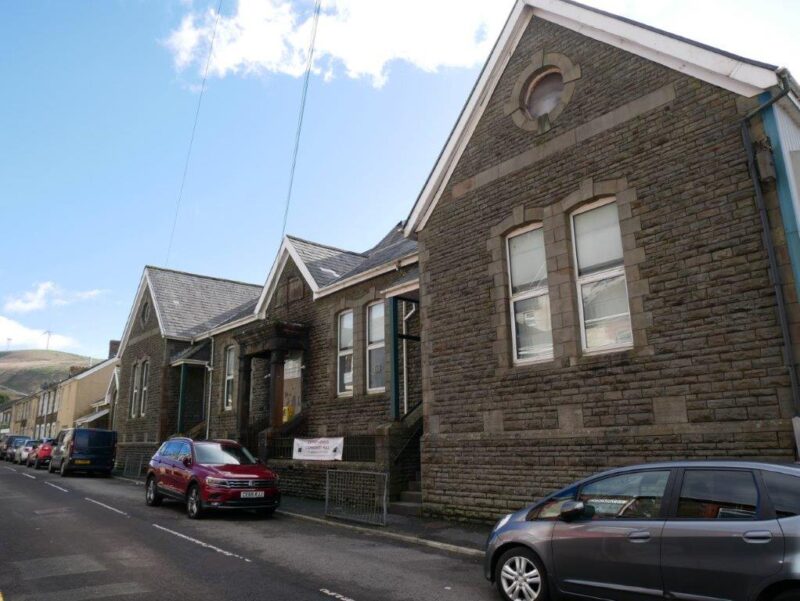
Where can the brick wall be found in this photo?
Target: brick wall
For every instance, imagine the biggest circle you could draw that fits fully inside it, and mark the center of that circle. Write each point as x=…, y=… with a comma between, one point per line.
x=705, y=377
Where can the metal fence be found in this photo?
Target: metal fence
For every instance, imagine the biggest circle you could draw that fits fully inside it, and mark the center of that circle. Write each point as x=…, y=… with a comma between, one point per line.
x=356, y=496
x=134, y=465
x=356, y=448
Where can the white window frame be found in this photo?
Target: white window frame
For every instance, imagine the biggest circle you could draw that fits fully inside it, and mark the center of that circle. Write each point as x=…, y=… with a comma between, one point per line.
x=134, y=408
x=520, y=296
x=144, y=378
x=230, y=359
x=374, y=346
x=606, y=274
x=343, y=353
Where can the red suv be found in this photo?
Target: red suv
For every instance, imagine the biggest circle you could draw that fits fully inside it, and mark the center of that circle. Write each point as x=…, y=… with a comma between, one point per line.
x=210, y=474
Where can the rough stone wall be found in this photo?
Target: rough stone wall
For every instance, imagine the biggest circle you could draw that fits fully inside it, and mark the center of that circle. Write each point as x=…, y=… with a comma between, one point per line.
x=705, y=376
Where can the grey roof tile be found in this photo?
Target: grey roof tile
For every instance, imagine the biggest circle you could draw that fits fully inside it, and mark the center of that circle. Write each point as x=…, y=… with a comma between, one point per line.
x=190, y=304
x=325, y=263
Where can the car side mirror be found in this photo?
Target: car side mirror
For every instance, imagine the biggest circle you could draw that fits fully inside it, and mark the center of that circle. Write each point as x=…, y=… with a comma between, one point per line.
x=187, y=461
x=572, y=510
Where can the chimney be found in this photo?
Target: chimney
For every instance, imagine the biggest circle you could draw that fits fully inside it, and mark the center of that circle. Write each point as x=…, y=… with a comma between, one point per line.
x=113, y=347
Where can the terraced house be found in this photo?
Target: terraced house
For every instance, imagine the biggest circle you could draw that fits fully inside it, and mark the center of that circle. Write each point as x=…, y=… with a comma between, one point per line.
x=608, y=254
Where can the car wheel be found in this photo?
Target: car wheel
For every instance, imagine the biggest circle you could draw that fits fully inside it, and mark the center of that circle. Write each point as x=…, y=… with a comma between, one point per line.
x=520, y=576
x=194, y=504
x=51, y=467
x=63, y=471
x=151, y=494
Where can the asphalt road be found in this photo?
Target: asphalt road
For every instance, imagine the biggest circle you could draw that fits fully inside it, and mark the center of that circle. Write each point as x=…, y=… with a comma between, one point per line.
x=77, y=538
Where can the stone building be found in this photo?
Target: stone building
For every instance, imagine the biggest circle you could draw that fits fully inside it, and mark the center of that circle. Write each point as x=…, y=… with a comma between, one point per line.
x=160, y=387
x=598, y=283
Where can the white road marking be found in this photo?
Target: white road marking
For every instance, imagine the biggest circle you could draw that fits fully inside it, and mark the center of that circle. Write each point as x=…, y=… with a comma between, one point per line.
x=106, y=506
x=202, y=544
x=56, y=486
x=325, y=591
x=9, y=468
x=29, y=476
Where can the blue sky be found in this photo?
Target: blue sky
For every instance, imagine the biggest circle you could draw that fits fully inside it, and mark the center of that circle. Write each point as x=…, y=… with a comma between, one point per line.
x=99, y=97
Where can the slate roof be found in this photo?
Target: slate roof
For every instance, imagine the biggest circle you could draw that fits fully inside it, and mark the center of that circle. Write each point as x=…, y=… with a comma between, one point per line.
x=198, y=352
x=190, y=304
x=325, y=263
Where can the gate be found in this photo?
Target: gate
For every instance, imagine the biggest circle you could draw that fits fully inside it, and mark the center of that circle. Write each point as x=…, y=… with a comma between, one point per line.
x=356, y=496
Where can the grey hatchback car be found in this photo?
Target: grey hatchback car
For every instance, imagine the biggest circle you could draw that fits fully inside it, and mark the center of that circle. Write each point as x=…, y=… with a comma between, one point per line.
x=698, y=531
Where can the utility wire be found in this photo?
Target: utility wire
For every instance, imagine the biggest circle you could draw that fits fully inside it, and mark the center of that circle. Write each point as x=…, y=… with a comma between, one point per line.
x=194, y=129
x=309, y=64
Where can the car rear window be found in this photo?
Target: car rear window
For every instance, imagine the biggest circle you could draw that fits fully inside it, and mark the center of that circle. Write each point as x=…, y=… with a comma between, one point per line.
x=718, y=495
x=94, y=439
x=784, y=490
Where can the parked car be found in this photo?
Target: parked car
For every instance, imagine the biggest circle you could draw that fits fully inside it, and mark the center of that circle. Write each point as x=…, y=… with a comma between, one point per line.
x=87, y=450
x=9, y=451
x=681, y=530
x=25, y=449
x=214, y=474
x=40, y=456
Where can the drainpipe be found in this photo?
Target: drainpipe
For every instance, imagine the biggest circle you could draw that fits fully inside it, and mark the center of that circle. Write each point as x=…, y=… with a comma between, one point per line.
x=775, y=276
x=210, y=370
x=181, y=391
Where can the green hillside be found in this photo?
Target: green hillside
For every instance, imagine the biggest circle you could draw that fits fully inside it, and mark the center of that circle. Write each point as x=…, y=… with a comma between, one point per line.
x=23, y=372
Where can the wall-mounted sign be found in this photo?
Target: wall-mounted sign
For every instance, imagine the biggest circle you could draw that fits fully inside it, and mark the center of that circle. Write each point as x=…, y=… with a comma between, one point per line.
x=318, y=449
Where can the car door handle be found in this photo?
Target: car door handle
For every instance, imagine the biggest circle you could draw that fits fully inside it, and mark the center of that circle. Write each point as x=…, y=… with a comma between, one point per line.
x=757, y=536
x=639, y=536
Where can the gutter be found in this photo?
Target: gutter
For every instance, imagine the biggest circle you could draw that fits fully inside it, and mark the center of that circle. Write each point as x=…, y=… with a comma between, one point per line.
x=775, y=275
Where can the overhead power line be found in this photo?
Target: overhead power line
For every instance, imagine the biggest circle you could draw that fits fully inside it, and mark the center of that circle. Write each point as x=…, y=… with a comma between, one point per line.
x=194, y=129
x=309, y=65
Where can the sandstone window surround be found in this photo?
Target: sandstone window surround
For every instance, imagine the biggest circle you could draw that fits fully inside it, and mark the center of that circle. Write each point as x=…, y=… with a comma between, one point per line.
x=556, y=220
x=344, y=353
x=529, y=302
x=542, y=91
x=230, y=376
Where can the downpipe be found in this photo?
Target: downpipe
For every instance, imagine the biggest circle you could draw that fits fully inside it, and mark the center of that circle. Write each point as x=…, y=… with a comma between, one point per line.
x=775, y=275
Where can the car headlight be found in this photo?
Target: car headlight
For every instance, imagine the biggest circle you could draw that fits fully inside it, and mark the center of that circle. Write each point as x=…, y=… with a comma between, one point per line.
x=216, y=481
x=503, y=521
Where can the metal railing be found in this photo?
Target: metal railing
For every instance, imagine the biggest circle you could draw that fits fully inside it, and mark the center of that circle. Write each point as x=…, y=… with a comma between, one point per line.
x=359, y=448
x=134, y=465
x=356, y=496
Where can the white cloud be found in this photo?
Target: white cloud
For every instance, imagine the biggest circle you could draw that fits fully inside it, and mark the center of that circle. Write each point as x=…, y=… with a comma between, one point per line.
x=360, y=37
x=47, y=294
x=24, y=337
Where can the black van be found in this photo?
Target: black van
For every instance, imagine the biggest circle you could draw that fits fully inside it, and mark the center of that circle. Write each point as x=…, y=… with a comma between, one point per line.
x=84, y=450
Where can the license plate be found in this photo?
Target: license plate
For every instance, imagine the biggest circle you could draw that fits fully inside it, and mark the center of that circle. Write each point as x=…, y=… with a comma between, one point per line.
x=252, y=494
x=82, y=462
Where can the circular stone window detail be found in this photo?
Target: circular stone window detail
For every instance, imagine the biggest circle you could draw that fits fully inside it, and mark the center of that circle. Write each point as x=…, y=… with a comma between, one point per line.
x=542, y=91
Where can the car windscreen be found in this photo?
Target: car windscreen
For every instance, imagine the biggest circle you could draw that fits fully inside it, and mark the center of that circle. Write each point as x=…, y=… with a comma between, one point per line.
x=94, y=439
x=19, y=442
x=214, y=453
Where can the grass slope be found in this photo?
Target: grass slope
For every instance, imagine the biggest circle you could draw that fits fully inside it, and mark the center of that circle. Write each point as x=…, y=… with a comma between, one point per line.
x=23, y=372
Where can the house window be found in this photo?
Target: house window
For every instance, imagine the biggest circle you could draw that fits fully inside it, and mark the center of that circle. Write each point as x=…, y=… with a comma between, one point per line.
x=229, y=376
x=145, y=314
x=375, y=348
x=145, y=383
x=529, y=298
x=135, y=391
x=544, y=94
x=345, y=354
x=602, y=289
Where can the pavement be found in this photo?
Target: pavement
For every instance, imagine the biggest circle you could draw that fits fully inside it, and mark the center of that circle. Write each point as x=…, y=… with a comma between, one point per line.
x=77, y=538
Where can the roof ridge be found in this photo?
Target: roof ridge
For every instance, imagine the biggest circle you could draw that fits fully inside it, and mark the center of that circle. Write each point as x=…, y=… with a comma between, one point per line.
x=328, y=246
x=200, y=275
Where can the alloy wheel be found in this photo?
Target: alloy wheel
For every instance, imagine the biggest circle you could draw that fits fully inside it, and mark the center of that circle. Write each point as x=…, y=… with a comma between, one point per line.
x=151, y=493
x=520, y=579
x=194, y=502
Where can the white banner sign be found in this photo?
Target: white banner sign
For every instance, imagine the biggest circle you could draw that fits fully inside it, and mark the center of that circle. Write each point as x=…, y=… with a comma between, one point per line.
x=318, y=449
